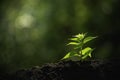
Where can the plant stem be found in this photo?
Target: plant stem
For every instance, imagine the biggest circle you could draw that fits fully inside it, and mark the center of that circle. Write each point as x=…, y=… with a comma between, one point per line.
x=81, y=51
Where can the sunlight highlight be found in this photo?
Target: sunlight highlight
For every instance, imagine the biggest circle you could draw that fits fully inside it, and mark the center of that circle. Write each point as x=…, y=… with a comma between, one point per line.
x=24, y=21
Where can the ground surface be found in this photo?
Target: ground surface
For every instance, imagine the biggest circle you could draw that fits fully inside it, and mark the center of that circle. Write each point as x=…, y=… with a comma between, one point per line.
x=70, y=70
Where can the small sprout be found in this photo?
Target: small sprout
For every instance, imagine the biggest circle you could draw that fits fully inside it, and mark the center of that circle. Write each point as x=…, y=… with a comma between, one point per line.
x=78, y=53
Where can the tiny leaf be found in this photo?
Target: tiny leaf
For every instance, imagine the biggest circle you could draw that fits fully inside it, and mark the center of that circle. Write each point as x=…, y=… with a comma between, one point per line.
x=80, y=36
x=73, y=43
x=86, y=52
x=74, y=39
x=66, y=56
x=87, y=39
x=69, y=54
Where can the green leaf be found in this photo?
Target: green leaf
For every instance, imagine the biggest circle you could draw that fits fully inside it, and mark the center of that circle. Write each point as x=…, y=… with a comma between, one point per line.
x=74, y=39
x=70, y=54
x=86, y=52
x=66, y=56
x=73, y=43
x=79, y=46
x=80, y=36
x=87, y=39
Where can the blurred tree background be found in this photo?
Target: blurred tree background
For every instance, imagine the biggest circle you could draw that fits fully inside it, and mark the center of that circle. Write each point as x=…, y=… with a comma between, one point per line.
x=34, y=32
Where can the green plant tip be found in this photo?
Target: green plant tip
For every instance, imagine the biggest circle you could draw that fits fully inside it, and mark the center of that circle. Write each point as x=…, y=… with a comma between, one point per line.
x=78, y=53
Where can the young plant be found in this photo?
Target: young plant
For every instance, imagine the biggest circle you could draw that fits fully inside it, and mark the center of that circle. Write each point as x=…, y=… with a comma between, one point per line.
x=79, y=52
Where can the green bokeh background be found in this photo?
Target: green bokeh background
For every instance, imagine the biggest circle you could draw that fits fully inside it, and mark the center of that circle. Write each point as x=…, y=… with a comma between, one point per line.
x=35, y=32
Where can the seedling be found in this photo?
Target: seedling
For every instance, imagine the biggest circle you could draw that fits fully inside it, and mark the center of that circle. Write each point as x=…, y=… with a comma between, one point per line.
x=79, y=52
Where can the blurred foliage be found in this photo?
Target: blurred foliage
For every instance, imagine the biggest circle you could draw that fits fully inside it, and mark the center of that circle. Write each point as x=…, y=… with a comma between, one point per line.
x=34, y=32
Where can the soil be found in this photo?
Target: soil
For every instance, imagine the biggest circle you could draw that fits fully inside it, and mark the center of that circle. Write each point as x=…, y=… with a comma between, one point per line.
x=70, y=70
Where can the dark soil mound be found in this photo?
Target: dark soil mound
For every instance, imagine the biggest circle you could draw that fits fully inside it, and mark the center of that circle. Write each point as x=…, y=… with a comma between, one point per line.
x=71, y=70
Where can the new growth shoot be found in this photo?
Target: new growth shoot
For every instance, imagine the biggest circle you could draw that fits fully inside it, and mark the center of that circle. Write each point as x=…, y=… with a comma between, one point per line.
x=79, y=52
